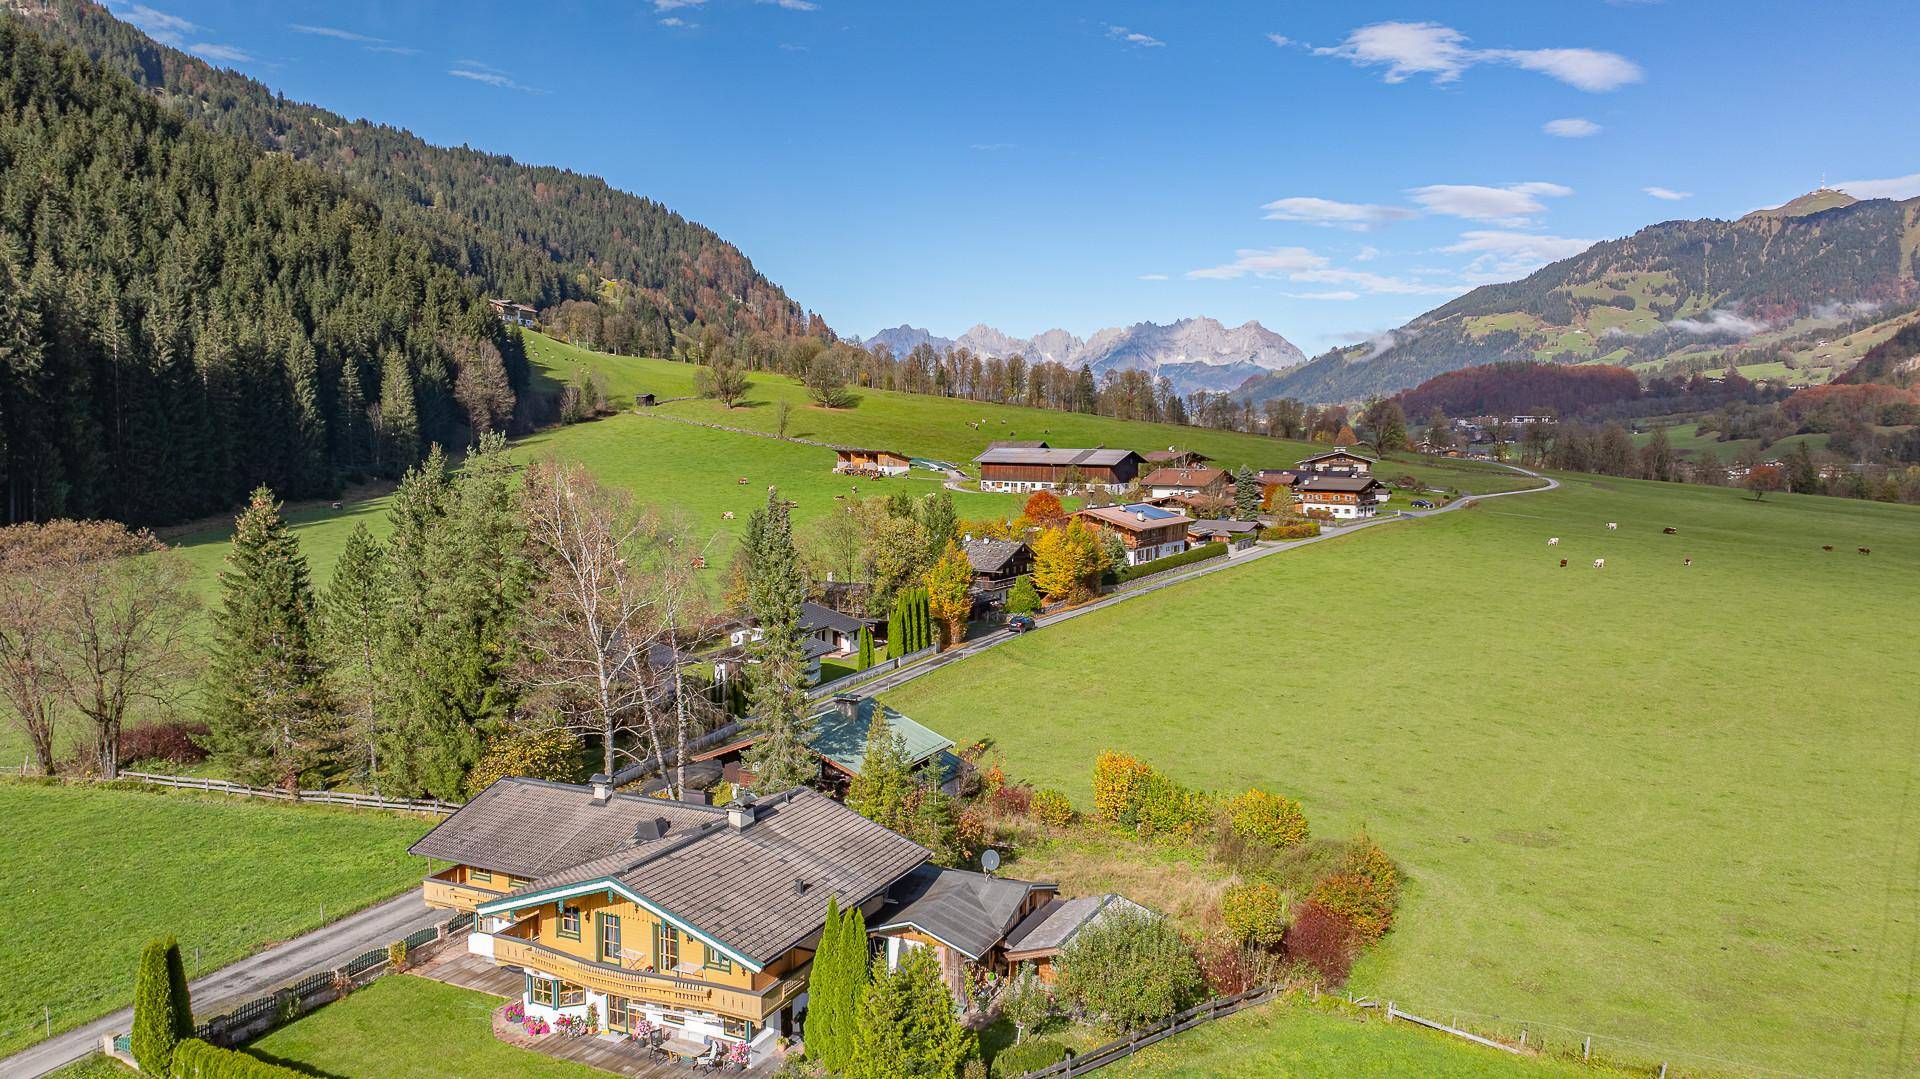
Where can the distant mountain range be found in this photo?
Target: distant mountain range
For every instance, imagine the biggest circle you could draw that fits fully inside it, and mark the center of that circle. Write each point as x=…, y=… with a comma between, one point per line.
x=1192, y=354
x=1675, y=297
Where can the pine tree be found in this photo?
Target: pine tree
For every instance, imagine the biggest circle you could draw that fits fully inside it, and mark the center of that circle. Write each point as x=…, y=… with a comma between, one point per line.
x=896, y=632
x=882, y=790
x=906, y=1027
x=270, y=718
x=399, y=416
x=781, y=759
x=353, y=623
x=162, y=1013
x=352, y=450
x=829, y=1019
x=864, y=657
x=1246, y=494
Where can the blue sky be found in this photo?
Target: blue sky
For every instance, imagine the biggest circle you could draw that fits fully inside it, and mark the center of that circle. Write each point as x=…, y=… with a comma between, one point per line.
x=1328, y=169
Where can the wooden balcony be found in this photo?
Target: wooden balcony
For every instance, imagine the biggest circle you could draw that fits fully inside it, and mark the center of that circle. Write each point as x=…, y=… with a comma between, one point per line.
x=442, y=892
x=514, y=950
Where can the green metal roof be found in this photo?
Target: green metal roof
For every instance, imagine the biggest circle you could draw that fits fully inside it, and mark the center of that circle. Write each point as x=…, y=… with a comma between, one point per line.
x=842, y=739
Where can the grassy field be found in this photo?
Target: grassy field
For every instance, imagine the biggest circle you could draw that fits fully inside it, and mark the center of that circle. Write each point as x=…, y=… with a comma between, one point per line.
x=1300, y=1041
x=1688, y=442
x=93, y=873
x=1668, y=805
x=403, y=1027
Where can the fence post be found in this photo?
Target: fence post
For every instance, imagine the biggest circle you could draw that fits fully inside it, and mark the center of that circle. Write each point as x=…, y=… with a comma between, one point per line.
x=1586, y=1050
x=1523, y=1036
x=1663, y=1070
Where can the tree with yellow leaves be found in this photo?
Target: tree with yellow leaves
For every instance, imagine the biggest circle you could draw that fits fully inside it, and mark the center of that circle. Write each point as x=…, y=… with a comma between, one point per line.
x=949, y=592
x=1067, y=561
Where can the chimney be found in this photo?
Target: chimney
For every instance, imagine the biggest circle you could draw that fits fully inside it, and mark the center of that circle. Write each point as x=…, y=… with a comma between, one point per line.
x=740, y=813
x=847, y=705
x=602, y=788
x=1139, y=516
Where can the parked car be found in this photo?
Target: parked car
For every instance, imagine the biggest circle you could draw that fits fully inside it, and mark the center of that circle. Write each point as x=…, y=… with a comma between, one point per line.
x=1020, y=623
x=1421, y=504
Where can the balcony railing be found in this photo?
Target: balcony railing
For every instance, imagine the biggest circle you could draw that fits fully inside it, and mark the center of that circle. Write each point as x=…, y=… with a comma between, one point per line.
x=441, y=891
x=514, y=950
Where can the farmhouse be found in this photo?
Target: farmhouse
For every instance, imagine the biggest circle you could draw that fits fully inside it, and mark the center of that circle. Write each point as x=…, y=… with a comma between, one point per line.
x=1237, y=535
x=1043, y=468
x=1339, y=496
x=1174, y=458
x=1167, y=482
x=1148, y=532
x=1337, y=462
x=997, y=564
x=514, y=314
x=864, y=462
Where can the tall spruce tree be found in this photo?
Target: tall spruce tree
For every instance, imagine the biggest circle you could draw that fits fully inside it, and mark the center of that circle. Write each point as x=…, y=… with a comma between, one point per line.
x=863, y=658
x=270, y=718
x=781, y=759
x=353, y=622
x=399, y=416
x=906, y=1027
x=1246, y=494
x=896, y=632
x=883, y=791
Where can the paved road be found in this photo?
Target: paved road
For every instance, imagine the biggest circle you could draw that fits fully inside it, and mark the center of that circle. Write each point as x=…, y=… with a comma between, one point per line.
x=326, y=947
x=977, y=645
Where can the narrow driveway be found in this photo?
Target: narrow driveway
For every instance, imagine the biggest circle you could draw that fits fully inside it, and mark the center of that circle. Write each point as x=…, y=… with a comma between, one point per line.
x=324, y=948
x=977, y=645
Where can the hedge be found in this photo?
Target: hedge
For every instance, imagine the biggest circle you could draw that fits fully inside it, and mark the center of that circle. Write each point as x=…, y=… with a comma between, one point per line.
x=162, y=1014
x=1255, y=912
x=195, y=1059
x=1161, y=565
x=1291, y=530
x=1031, y=1055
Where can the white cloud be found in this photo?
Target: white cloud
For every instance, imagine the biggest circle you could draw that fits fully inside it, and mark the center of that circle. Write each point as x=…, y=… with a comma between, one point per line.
x=223, y=53
x=1334, y=294
x=675, y=22
x=791, y=5
x=332, y=32
x=1367, y=253
x=1667, y=193
x=491, y=76
x=1718, y=322
x=1261, y=262
x=1898, y=187
x=1509, y=254
x=1281, y=40
x=1153, y=277
x=1376, y=284
x=1571, y=127
x=1358, y=216
x=675, y=5
x=991, y=147
x=1440, y=52
x=1511, y=205
x=1134, y=37
x=159, y=25
x=397, y=50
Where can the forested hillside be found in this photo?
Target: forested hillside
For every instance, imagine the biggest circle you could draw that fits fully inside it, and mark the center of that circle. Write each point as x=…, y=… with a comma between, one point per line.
x=1677, y=290
x=535, y=234
x=183, y=316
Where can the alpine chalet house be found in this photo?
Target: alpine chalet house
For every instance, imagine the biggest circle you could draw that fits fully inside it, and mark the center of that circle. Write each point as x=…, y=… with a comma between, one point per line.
x=1337, y=462
x=1174, y=458
x=1339, y=496
x=1147, y=531
x=997, y=564
x=700, y=920
x=514, y=314
x=1168, y=482
x=837, y=734
x=855, y=461
x=1043, y=468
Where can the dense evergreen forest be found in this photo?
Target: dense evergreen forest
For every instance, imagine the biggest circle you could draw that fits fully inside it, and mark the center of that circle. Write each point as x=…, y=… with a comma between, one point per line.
x=184, y=316
x=534, y=234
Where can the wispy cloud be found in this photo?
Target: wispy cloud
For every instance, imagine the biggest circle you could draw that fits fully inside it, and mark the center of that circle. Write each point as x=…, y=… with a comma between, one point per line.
x=1280, y=40
x=1331, y=294
x=1571, y=127
x=675, y=22
x=224, y=53
x=159, y=25
x=1153, y=277
x=675, y=5
x=1667, y=193
x=1897, y=187
x=1134, y=37
x=478, y=72
x=990, y=147
x=365, y=41
x=791, y=5
x=1512, y=205
x=1261, y=262
x=1377, y=284
x=1510, y=254
x=1442, y=53
x=1719, y=323
x=1329, y=213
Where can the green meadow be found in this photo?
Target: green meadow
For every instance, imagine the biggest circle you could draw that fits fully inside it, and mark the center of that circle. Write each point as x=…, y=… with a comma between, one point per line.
x=1670, y=805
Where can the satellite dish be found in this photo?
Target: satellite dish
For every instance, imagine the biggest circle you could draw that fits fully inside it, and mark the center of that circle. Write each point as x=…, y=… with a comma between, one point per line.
x=990, y=859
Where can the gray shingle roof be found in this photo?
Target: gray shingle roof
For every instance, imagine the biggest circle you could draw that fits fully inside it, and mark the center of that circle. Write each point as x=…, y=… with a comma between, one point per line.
x=815, y=616
x=1222, y=528
x=1060, y=457
x=990, y=555
x=969, y=911
x=1318, y=482
x=1057, y=922
x=530, y=827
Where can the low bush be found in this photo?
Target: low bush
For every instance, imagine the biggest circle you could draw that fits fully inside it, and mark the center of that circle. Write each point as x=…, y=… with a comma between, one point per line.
x=1291, y=530
x=1170, y=811
x=174, y=743
x=1365, y=891
x=1272, y=819
x=1161, y=565
x=1130, y=970
x=1051, y=808
x=195, y=1059
x=1119, y=779
x=1013, y=799
x=1255, y=912
x=1232, y=967
x=1321, y=939
x=1021, y=1058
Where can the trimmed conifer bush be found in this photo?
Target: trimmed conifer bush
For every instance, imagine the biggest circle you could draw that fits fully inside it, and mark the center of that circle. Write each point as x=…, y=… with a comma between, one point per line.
x=156, y=1012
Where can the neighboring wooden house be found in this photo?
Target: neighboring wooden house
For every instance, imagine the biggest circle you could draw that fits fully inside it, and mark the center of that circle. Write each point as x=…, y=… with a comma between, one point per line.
x=516, y=314
x=1168, y=482
x=864, y=462
x=1147, y=531
x=1042, y=935
x=1237, y=535
x=839, y=632
x=1341, y=497
x=1337, y=461
x=963, y=916
x=1019, y=444
x=997, y=564
x=838, y=735
x=1174, y=458
x=699, y=920
x=1043, y=468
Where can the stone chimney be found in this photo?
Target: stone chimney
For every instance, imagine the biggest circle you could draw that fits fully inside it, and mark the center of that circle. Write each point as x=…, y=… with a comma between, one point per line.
x=847, y=705
x=740, y=812
x=602, y=788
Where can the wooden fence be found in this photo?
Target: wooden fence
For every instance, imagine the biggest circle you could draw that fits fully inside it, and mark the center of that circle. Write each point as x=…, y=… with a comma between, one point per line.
x=1100, y=1057
x=343, y=798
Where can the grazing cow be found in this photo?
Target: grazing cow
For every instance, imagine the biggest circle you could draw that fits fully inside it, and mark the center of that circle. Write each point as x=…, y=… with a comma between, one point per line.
x=1563, y=563
x=742, y=481
x=1866, y=550
x=1613, y=526
x=727, y=516
x=1826, y=546
x=1670, y=530
x=1553, y=541
x=1686, y=561
x=1599, y=563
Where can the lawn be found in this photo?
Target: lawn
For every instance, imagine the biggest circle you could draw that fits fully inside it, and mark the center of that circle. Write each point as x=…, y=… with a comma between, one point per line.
x=1299, y=1041
x=92, y=873
x=403, y=1027
x=1659, y=803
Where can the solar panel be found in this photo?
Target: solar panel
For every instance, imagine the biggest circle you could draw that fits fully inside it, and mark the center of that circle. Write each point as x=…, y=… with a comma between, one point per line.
x=1152, y=513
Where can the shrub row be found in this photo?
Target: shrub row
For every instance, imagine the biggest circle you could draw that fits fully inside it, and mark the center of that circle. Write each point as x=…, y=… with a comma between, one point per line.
x=1291, y=530
x=195, y=1059
x=175, y=743
x=1161, y=565
x=1030, y=1055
